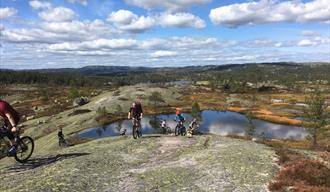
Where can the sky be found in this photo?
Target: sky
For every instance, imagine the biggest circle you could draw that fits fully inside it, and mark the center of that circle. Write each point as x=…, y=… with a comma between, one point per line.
x=38, y=34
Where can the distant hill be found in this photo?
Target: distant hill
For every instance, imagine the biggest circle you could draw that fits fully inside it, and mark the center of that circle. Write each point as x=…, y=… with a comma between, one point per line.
x=106, y=70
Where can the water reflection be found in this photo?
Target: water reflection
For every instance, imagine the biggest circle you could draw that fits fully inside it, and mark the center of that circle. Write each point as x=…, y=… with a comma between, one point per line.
x=215, y=122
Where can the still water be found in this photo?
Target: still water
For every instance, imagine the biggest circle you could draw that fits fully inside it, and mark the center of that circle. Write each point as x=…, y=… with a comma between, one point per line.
x=214, y=122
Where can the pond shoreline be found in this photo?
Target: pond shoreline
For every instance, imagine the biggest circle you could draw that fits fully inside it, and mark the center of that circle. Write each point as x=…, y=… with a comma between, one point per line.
x=212, y=121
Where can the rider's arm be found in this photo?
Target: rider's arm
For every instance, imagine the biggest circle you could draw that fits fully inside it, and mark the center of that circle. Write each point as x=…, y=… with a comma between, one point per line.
x=12, y=122
x=129, y=113
x=141, y=112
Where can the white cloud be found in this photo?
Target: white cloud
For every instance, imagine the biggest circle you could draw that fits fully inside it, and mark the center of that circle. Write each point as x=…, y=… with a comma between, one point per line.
x=58, y=14
x=309, y=33
x=55, y=32
x=40, y=4
x=171, y=51
x=181, y=20
x=127, y=21
x=306, y=42
x=167, y=4
x=99, y=44
x=139, y=25
x=7, y=12
x=123, y=17
x=83, y=2
x=77, y=27
x=161, y=53
x=2, y=27
x=266, y=11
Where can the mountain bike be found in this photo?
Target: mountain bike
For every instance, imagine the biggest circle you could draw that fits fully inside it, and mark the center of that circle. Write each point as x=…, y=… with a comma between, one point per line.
x=25, y=146
x=166, y=130
x=180, y=129
x=137, y=128
x=62, y=142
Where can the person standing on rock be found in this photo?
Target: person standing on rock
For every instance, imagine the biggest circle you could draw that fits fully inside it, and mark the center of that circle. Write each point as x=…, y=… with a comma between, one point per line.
x=11, y=118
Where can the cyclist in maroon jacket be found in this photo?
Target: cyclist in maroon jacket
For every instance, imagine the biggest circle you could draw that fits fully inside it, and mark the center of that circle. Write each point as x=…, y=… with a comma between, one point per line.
x=11, y=119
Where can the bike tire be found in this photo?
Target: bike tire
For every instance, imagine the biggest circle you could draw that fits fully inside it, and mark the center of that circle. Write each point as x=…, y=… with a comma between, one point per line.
x=139, y=133
x=183, y=131
x=177, y=131
x=135, y=133
x=27, y=142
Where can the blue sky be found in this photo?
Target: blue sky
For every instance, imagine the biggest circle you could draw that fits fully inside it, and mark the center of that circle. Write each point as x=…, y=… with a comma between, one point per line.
x=75, y=33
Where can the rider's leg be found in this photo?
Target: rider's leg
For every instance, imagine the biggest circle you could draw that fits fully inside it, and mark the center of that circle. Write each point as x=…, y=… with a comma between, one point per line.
x=12, y=138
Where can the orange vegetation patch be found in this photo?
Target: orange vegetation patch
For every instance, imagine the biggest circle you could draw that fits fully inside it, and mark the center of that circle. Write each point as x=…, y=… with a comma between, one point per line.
x=279, y=119
x=263, y=112
x=237, y=109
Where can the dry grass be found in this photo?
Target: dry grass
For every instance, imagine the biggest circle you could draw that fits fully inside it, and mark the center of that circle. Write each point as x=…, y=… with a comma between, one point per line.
x=299, y=144
x=279, y=119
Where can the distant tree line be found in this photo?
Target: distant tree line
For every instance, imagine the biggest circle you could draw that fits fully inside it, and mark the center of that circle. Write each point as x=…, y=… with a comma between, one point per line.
x=234, y=78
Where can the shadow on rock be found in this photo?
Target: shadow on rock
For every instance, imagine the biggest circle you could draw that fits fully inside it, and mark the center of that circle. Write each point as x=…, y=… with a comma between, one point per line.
x=42, y=161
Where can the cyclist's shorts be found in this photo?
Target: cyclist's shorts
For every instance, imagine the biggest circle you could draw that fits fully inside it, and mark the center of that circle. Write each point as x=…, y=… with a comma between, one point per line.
x=6, y=129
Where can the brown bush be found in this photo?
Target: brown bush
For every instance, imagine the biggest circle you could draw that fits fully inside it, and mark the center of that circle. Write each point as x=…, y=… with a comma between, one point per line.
x=286, y=155
x=303, y=175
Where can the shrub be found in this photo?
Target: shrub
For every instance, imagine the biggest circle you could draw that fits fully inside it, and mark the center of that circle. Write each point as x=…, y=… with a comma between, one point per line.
x=300, y=173
x=73, y=93
x=250, y=128
x=155, y=97
x=195, y=110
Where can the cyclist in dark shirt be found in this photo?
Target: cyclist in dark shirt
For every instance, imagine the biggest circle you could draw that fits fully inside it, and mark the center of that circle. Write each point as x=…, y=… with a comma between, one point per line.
x=11, y=119
x=61, y=140
x=136, y=112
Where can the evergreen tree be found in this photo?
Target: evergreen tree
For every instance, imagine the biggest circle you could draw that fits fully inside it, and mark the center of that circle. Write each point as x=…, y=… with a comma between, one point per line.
x=315, y=114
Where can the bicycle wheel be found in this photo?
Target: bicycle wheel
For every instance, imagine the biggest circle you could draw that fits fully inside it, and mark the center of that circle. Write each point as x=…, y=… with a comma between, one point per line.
x=25, y=149
x=139, y=132
x=135, y=132
x=183, y=131
x=62, y=142
x=177, y=130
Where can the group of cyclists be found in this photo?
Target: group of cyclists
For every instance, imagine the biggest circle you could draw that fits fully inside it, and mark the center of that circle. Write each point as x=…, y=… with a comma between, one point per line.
x=135, y=113
x=11, y=119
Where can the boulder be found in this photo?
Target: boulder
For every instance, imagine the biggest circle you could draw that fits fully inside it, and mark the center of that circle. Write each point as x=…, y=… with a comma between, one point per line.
x=80, y=101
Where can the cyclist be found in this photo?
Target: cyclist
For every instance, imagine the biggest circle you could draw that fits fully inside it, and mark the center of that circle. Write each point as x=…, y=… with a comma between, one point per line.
x=164, y=126
x=61, y=140
x=11, y=118
x=136, y=112
x=192, y=126
x=179, y=116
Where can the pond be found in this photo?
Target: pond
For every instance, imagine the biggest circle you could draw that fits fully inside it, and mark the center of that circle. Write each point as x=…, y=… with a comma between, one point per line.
x=214, y=122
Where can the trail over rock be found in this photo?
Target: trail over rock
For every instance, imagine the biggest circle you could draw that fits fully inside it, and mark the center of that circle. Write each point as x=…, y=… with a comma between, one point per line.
x=152, y=163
